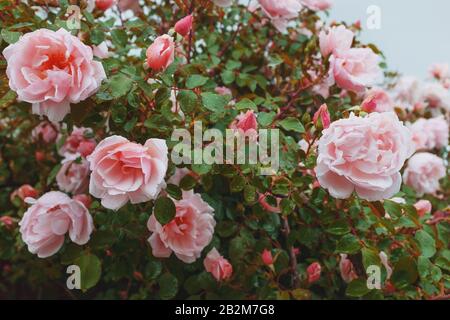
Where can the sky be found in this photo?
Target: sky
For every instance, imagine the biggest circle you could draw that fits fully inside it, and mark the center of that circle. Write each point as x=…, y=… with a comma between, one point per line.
x=413, y=34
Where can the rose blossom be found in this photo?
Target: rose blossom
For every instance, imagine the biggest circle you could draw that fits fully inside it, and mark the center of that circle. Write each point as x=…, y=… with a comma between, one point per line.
x=24, y=191
x=161, y=53
x=77, y=143
x=188, y=233
x=50, y=217
x=101, y=51
x=280, y=11
x=377, y=100
x=429, y=134
x=184, y=25
x=313, y=271
x=84, y=199
x=423, y=173
x=73, y=177
x=217, y=265
x=335, y=39
x=51, y=70
x=125, y=171
x=440, y=71
x=407, y=93
x=423, y=207
x=46, y=131
x=223, y=91
x=363, y=154
x=436, y=95
x=323, y=115
x=356, y=68
x=266, y=257
x=245, y=122
x=317, y=5
x=347, y=269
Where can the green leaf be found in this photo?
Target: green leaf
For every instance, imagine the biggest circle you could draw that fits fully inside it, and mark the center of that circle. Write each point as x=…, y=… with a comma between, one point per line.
x=164, y=210
x=246, y=104
x=10, y=36
x=250, y=194
x=370, y=258
x=357, y=288
x=237, y=184
x=188, y=100
x=339, y=227
x=119, y=37
x=119, y=85
x=405, y=272
x=292, y=124
x=266, y=118
x=119, y=113
x=227, y=76
x=195, y=81
x=214, y=102
x=392, y=208
x=174, y=191
x=348, y=244
x=188, y=182
x=168, y=286
x=91, y=270
x=426, y=243
x=153, y=269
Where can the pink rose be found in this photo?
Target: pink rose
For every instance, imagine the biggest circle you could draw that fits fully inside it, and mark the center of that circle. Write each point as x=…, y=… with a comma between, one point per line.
x=356, y=68
x=407, y=93
x=45, y=131
x=347, y=269
x=429, y=134
x=223, y=91
x=245, y=122
x=101, y=51
x=50, y=217
x=51, y=70
x=280, y=11
x=78, y=143
x=435, y=95
x=377, y=100
x=161, y=53
x=104, y=4
x=125, y=171
x=317, y=5
x=25, y=191
x=423, y=207
x=335, y=39
x=323, y=115
x=84, y=199
x=266, y=257
x=440, y=71
x=217, y=265
x=184, y=25
x=423, y=173
x=188, y=233
x=73, y=176
x=364, y=154
x=313, y=271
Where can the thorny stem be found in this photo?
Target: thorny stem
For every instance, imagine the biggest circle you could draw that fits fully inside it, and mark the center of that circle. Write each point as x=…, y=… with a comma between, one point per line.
x=293, y=257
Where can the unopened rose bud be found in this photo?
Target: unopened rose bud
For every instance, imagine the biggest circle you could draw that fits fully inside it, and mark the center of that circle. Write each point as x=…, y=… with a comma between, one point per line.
x=25, y=191
x=314, y=270
x=184, y=25
x=323, y=115
x=266, y=257
x=104, y=4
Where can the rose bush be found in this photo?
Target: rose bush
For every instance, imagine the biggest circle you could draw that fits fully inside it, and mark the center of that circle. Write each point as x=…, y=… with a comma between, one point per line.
x=86, y=120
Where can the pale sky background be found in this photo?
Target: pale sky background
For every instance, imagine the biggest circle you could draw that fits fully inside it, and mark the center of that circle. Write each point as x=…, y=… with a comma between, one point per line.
x=413, y=35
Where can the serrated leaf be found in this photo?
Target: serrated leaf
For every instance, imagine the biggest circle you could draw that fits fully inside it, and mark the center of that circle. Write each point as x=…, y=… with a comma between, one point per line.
x=164, y=210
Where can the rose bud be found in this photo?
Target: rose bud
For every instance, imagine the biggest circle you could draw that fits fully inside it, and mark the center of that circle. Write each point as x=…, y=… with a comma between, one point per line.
x=266, y=257
x=313, y=271
x=25, y=191
x=323, y=115
x=184, y=25
x=423, y=207
x=161, y=53
x=104, y=4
